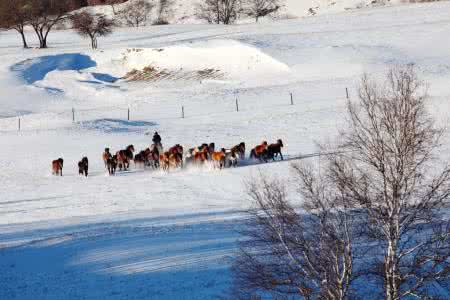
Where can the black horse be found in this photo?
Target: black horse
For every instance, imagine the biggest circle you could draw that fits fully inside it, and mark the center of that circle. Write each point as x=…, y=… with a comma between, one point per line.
x=83, y=166
x=273, y=150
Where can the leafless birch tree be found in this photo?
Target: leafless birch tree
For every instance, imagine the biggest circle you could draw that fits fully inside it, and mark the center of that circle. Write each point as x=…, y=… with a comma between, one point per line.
x=378, y=208
x=390, y=168
x=291, y=253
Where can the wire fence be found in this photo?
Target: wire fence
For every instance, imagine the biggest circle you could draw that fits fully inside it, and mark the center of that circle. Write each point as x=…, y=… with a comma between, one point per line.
x=141, y=111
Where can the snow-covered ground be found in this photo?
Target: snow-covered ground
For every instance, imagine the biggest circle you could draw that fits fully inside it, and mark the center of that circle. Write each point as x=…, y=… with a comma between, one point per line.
x=157, y=235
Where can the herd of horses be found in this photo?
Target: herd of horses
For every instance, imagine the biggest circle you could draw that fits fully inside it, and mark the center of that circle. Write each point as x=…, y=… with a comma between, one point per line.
x=156, y=157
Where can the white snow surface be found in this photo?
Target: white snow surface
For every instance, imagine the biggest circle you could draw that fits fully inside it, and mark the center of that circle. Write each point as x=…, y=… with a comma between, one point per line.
x=157, y=235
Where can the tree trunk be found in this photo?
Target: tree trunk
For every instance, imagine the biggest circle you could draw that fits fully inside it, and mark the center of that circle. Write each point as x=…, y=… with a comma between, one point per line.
x=41, y=37
x=113, y=9
x=391, y=272
x=24, y=40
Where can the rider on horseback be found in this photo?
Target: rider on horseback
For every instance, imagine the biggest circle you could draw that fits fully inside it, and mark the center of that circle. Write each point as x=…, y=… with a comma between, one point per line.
x=156, y=139
x=157, y=143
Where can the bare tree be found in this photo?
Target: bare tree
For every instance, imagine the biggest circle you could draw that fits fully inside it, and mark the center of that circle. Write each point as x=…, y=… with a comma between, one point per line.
x=289, y=253
x=93, y=26
x=218, y=11
x=261, y=8
x=383, y=180
x=45, y=14
x=14, y=15
x=136, y=12
x=389, y=168
x=164, y=8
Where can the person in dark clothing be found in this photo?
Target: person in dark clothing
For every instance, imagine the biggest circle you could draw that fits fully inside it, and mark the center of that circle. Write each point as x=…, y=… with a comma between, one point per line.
x=156, y=139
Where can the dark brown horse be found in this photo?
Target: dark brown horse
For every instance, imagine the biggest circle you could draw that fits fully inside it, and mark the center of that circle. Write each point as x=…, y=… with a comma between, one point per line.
x=273, y=150
x=140, y=159
x=83, y=166
x=153, y=157
x=111, y=164
x=124, y=157
x=231, y=158
x=240, y=150
x=211, y=148
x=57, y=166
x=177, y=149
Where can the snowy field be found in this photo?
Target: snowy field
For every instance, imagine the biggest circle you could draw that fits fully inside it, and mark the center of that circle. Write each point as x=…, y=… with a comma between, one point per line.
x=157, y=235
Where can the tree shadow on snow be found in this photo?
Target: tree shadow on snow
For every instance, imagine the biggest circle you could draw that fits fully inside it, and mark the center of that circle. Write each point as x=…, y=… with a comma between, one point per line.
x=136, y=259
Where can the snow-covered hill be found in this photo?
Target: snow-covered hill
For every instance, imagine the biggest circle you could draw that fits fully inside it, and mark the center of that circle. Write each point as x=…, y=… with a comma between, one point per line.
x=183, y=11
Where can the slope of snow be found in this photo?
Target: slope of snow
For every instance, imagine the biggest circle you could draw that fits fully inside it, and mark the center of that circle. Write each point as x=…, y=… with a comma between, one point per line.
x=152, y=234
x=238, y=61
x=183, y=11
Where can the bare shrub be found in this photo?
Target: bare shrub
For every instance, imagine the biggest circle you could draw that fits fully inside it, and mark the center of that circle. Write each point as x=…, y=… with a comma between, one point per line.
x=136, y=12
x=261, y=8
x=92, y=26
x=218, y=11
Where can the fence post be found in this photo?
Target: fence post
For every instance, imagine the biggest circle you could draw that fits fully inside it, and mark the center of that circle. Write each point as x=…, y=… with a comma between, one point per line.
x=346, y=92
x=73, y=115
x=182, y=112
x=128, y=115
x=292, y=99
x=19, y=123
x=237, y=104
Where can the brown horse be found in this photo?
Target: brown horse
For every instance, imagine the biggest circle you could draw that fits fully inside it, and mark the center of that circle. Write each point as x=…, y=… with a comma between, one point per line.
x=273, y=150
x=201, y=156
x=259, y=152
x=218, y=158
x=105, y=156
x=124, y=157
x=153, y=157
x=57, y=166
x=83, y=166
x=168, y=160
x=164, y=160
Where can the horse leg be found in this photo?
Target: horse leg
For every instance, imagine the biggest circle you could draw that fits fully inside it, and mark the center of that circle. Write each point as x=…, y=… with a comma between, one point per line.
x=281, y=155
